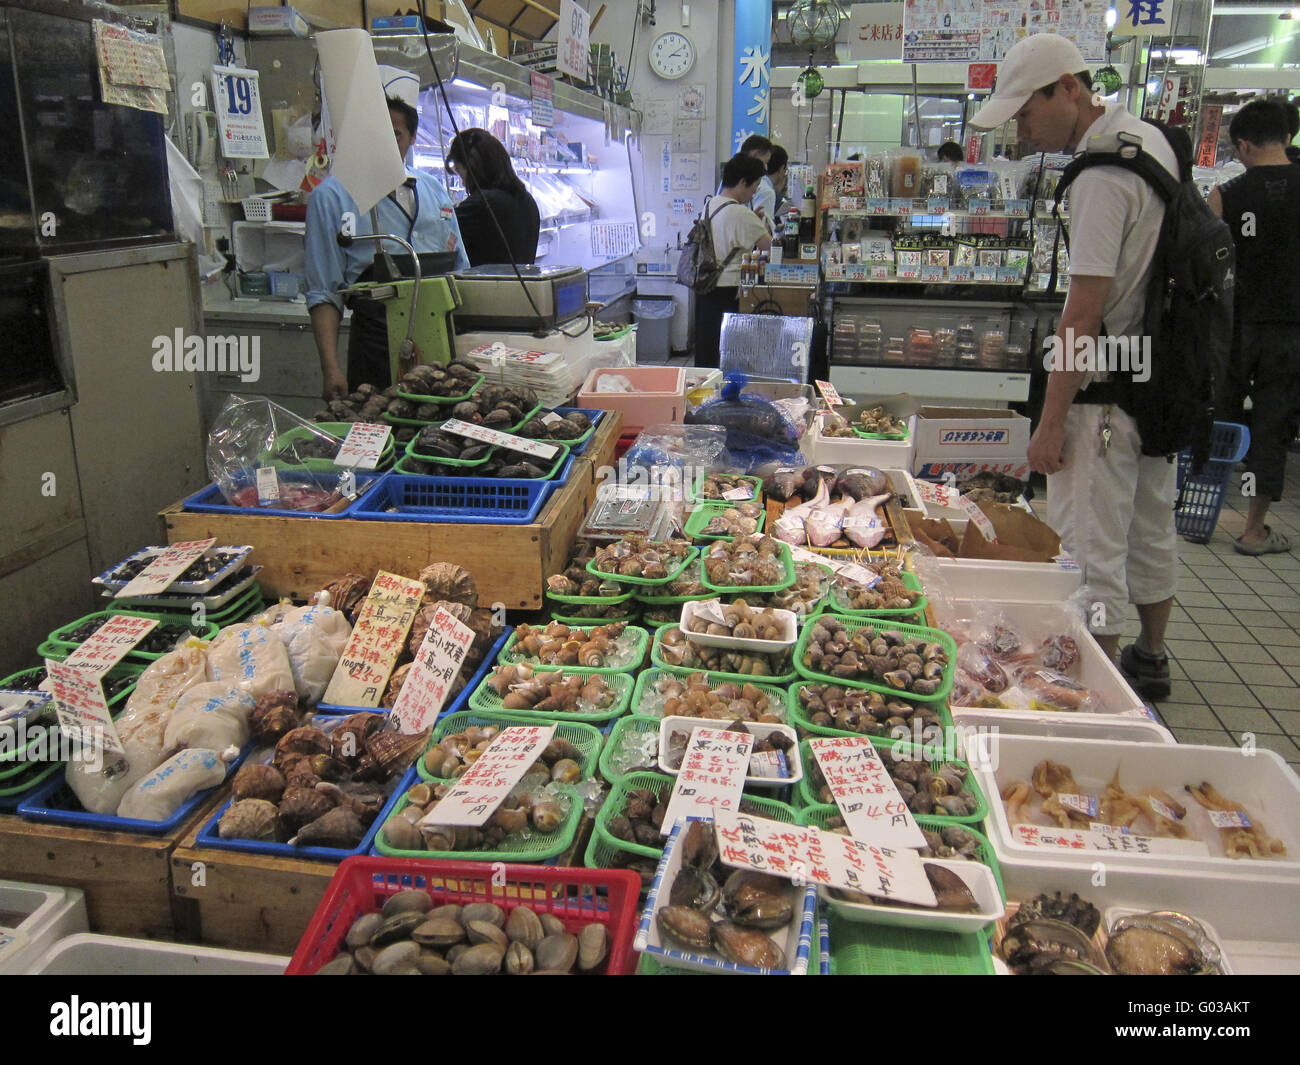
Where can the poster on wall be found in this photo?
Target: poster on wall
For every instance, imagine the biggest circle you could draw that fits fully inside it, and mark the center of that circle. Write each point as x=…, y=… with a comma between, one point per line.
x=962, y=31
x=875, y=32
x=575, y=31
x=751, y=91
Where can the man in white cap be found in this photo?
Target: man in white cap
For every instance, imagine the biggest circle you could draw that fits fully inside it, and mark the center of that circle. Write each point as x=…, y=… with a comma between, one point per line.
x=1112, y=506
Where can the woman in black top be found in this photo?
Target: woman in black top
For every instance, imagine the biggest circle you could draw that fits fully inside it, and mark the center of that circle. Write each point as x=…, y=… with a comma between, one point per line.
x=483, y=165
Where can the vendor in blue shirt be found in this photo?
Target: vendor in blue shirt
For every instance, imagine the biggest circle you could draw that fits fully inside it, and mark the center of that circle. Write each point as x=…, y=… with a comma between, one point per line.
x=421, y=211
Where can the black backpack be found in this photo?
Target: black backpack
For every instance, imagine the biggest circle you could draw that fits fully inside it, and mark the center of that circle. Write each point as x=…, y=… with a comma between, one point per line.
x=1189, y=300
x=697, y=266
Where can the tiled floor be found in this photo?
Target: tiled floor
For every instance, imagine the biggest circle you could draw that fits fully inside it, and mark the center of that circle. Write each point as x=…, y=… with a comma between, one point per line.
x=1234, y=637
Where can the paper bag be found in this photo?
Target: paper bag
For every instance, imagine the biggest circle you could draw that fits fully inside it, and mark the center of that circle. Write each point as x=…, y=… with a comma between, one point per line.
x=1021, y=537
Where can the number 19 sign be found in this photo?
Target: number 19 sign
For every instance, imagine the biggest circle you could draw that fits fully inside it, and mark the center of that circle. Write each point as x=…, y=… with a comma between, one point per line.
x=238, y=104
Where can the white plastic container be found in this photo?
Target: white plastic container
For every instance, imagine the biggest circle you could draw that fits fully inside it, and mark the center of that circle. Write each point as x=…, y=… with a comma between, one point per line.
x=977, y=876
x=894, y=454
x=1262, y=783
x=789, y=625
x=1063, y=726
x=46, y=914
x=1010, y=582
x=1096, y=670
x=94, y=955
x=758, y=729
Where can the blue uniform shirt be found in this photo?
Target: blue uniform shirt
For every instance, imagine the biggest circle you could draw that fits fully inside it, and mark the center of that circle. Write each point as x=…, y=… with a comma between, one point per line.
x=331, y=268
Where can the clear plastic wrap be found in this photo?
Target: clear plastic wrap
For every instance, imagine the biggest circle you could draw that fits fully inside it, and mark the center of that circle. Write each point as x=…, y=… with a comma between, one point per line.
x=161, y=793
x=757, y=430
x=251, y=433
x=210, y=715
x=251, y=658
x=314, y=637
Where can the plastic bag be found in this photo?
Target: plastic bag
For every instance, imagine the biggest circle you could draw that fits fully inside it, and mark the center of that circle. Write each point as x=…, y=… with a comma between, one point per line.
x=252, y=433
x=97, y=793
x=315, y=637
x=167, y=788
x=250, y=657
x=210, y=715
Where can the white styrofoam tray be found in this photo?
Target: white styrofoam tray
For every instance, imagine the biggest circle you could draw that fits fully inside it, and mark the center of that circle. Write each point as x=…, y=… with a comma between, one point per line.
x=757, y=729
x=1096, y=670
x=821, y=449
x=1072, y=726
x=86, y=954
x=789, y=624
x=977, y=876
x=795, y=939
x=50, y=913
x=1261, y=782
x=234, y=558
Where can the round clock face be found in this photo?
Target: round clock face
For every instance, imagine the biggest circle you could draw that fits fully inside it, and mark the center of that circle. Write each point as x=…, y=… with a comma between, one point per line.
x=672, y=55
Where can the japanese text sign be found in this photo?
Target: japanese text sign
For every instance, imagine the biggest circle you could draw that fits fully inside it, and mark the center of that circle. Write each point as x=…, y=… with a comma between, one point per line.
x=362, y=448
x=164, y=570
x=506, y=440
x=1079, y=840
x=484, y=786
x=83, y=714
x=575, y=32
x=109, y=644
x=712, y=775
x=872, y=806
x=376, y=641
x=1144, y=18
x=437, y=665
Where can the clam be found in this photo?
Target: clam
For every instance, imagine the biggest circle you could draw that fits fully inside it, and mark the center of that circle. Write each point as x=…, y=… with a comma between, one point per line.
x=757, y=900
x=519, y=959
x=525, y=927
x=340, y=966
x=438, y=932
x=551, y=925
x=557, y=952
x=363, y=928
x=402, y=834
x=483, y=911
x=394, y=957
x=481, y=959
x=432, y=964
x=412, y=900
x=486, y=932
x=746, y=946
x=399, y=926
x=685, y=927
x=593, y=945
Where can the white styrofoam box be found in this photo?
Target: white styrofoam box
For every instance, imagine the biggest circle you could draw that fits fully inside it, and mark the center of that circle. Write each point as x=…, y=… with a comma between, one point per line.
x=1010, y=582
x=48, y=914
x=1096, y=670
x=838, y=450
x=277, y=20
x=87, y=954
x=977, y=877
x=1262, y=783
x=758, y=729
x=956, y=517
x=951, y=437
x=1069, y=726
x=1254, y=916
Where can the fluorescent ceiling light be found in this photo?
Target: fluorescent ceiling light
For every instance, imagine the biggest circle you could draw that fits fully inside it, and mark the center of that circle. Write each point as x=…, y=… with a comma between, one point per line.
x=1112, y=17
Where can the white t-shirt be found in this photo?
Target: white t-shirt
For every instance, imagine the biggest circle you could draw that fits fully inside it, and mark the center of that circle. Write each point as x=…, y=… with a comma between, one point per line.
x=765, y=198
x=733, y=230
x=1115, y=219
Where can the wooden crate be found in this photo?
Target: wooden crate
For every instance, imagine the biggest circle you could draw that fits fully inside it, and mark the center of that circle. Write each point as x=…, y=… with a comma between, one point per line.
x=126, y=876
x=510, y=563
x=244, y=901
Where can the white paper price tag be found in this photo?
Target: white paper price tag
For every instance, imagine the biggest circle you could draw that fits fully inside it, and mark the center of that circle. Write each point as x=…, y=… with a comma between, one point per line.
x=1084, y=804
x=860, y=574
x=1229, y=819
x=484, y=786
x=771, y=765
x=551, y=418
x=711, y=610
x=1167, y=812
x=109, y=644
x=268, y=487
x=872, y=806
x=83, y=714
x=712, y=775
x=1073, y=839
x=739, y=493
x=829, y=393
x=933, y=492
x=363, y=446
x=978, y=516
x=492, y=436
x=436, y=667
x=164, y=570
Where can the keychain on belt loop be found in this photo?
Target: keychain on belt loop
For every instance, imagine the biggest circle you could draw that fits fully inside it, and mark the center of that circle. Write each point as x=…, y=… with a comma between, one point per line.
x=1105, y=430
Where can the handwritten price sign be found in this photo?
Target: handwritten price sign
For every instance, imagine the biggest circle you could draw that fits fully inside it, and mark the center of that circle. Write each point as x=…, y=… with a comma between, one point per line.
x=164, y=570
x=1078, y=840
x=485, y=785
x=363, y=446
x=437, y=665
x=712, y=775
x=872, y=806
x=109, y=644
x=376, y=641
x=83, y=714
x=506, y=440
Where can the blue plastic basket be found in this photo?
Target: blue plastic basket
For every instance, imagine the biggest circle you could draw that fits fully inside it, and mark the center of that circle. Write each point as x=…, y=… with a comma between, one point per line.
x=460, y=500
x=457, y=704
x=1200, y=495
x=210, y=501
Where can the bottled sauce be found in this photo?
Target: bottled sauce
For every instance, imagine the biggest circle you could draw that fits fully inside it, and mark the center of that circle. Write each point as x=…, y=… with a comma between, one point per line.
x=808, y=216
x=790, y=233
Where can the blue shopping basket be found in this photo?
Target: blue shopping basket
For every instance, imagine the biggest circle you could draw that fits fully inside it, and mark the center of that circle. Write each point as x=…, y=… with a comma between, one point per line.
x=1200, y=495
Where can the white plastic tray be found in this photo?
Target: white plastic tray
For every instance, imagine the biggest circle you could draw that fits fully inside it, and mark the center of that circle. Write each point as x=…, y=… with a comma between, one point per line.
x=1063, y=726
x=50, y=913
x=94, y=955
x=787, y=618
x=1262, y=782
x=235, y=557
x=12, y=697
x=173, y=601
x=978, y=877
x=838, y=450
x=1096, y=671
x=758, y=729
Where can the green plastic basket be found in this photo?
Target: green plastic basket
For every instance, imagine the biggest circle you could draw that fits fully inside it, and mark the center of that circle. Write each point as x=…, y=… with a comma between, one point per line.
x=587, y=739
x=15, y=762
x=627, y=725
x=640, y=639
x=338, y=430
x=650, y=623
x=464, y=464
x=572, y=619
x=799, y=719
x=852, y=625
x=910, y=580
x=16, y=786
x=487, y=701
x=418, y=399
x=650, y=677
x=807, y=796
x=694, y=496
x=661, y=784
x=590, y=600
x=754, y=589
x=700, y=518
x=56, y=640
x=863, y=434
x=647, y=582
x=656, y=657
x=537, y=848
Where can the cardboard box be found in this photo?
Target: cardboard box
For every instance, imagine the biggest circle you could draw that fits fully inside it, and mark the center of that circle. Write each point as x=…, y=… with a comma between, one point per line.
x=970, y=440
x=270, y=20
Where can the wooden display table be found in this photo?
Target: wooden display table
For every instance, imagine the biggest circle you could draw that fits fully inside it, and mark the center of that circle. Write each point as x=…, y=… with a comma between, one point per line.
x=510, y=563
x=125, y=875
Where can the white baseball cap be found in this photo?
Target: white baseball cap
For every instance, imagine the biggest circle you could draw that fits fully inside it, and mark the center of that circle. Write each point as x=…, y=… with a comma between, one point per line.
x=1032, y=64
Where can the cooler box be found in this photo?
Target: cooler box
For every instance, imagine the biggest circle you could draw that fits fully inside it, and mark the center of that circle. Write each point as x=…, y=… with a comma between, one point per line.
x=660, y=399
x=968, y=440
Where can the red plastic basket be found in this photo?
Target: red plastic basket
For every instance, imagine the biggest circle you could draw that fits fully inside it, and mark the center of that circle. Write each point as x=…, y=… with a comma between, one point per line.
x=576, y=896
